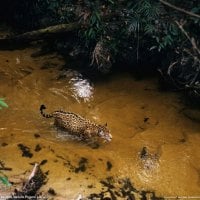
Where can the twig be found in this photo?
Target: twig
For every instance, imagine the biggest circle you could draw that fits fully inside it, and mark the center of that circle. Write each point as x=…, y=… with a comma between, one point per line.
x=179, y=9
x=192, y=40
x=6, y=168
x=180, y=25
x=34, y=171
x=194, y=44
x=33, y=183
x=169, y=74
x=170, y=67
x=2, y=166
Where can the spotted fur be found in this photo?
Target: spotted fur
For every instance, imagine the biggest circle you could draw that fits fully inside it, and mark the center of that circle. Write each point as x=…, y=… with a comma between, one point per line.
x=76, y=125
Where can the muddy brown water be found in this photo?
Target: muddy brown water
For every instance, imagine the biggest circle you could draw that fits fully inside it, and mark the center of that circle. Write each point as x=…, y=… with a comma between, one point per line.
x=137, y=113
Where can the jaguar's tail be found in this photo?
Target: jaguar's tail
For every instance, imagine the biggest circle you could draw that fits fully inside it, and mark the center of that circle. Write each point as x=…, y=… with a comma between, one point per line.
x=43, y=107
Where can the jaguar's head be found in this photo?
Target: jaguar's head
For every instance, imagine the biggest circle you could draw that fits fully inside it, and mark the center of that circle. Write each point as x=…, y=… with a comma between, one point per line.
x=104, y=133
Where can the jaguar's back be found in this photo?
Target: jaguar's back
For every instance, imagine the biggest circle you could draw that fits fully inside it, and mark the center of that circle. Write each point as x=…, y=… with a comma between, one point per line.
x=77, y=125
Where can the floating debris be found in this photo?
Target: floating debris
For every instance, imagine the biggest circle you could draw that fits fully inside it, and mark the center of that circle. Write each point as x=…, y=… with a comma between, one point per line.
x=4, y=144
x=82, y=165
x=25, y=151
x=36, y=135
x=38, y=148
x=43, y=162
x=121, y=189
x=3, y=167
x=29, y=190
x=52, y=192
x=109, y=165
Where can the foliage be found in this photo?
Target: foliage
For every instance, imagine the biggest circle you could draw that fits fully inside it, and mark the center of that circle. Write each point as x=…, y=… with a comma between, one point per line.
x=3, y=104
x=94, y=28
x=60, y=10
x=149, y=19
x=28, y=15
x=4, y=180
x=135, y=28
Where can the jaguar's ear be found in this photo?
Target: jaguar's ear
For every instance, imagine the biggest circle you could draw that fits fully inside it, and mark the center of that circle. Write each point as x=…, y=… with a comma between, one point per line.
x=106, y=124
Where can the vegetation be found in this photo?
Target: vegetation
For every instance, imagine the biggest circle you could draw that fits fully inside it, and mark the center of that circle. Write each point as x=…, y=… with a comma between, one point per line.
x=4, y=181
x=3, y=104
x=155, y=34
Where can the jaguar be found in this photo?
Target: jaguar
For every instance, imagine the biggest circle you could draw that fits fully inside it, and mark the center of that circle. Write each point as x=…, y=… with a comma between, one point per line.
x=77, y=125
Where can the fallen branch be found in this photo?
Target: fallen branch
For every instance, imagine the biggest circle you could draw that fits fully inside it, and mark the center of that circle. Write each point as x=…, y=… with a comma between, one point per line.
x=49, y=32
x=44, y=33
x=31, y=186
x=179, y=9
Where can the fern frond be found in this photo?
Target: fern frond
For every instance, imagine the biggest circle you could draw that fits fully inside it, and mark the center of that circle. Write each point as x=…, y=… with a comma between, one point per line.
x=149, y=29
x=149, y=9
x=134, y=25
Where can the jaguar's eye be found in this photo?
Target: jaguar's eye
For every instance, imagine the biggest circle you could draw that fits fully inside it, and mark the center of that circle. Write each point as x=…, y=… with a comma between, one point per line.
x=101, y=133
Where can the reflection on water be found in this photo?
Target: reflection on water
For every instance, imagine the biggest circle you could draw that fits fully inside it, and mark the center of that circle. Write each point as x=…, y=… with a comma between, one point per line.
x=137, y=117
x=82, y=89
x=77, y=86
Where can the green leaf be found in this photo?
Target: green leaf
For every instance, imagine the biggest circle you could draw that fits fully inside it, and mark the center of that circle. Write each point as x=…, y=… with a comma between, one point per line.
x=5, y=181
x=98, y=16
x=90, y=32
x=149, y=29
x=110, y=1
x=2, y=103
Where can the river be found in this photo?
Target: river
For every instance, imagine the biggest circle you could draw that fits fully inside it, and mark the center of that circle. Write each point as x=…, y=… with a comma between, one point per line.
x=154, y=144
